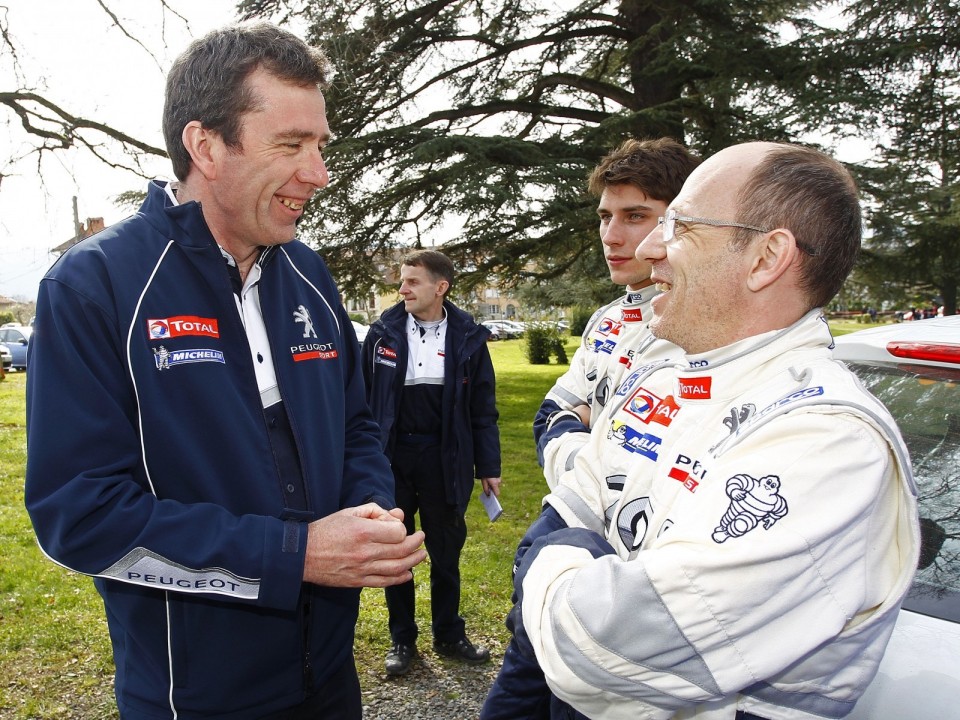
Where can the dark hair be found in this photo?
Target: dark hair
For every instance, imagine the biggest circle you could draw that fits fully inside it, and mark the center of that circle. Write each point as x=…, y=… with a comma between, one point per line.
x=208, y=81
x=656, y=167
x=816, y=198
x=436, y=263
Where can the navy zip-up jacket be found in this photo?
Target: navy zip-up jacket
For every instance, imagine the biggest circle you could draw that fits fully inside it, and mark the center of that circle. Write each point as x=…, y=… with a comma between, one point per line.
x=149, y=463
x=470, y=439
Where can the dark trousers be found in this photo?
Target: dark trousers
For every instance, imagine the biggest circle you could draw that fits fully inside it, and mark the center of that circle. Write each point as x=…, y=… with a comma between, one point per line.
x=419, y=488
x=338, y=699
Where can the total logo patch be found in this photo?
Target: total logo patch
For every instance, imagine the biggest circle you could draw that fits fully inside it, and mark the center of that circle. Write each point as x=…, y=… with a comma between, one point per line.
x=608, y=326
x=642, y=404
x=695, y=388
x=181, y=326
x=632, y=315
x=649, y=407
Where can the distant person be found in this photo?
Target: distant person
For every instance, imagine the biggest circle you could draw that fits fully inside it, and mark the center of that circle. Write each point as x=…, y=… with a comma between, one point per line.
x=744, y=555
x=430, y=384
x=634, y=183
x=198, y=435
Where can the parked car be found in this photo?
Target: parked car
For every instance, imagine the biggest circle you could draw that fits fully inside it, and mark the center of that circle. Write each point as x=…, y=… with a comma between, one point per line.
x=361, y=330
x=914, y=369
x=6, y=359
x=500, y=330
x=17, y=339
x=518, y=328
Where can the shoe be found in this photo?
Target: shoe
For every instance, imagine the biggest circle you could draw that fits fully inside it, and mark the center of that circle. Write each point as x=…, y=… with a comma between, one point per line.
x=399, y=658
x=462, y=650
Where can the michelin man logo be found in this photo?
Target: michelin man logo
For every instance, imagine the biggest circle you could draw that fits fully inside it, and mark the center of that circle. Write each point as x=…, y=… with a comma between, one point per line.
x=752, y=502
x=301, y=314
x=161, y=356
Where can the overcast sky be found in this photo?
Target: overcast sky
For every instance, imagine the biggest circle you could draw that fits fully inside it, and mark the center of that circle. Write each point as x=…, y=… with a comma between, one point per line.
x=73, y=53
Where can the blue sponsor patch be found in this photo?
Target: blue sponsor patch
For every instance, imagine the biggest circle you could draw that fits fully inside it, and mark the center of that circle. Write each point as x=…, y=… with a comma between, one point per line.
x=166, y=359
x=642, y=443
x=607, y=346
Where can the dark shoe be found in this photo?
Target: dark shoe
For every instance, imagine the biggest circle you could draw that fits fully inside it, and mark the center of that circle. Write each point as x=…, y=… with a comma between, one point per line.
x=462, y=650
x=399, y=658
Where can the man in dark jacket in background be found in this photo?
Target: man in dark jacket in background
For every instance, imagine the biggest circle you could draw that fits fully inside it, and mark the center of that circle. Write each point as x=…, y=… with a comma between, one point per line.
x=430, y=384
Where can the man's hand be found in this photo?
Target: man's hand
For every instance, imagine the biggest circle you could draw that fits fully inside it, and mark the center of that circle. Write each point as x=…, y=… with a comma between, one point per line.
x=364, y=546
x=489, y=484
x=584, y=412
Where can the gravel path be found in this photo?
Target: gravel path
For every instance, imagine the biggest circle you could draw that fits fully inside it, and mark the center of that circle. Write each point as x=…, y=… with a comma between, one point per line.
x=435, y=689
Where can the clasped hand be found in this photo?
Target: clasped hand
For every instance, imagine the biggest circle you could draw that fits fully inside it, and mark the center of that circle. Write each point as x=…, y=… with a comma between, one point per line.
x=363, y=546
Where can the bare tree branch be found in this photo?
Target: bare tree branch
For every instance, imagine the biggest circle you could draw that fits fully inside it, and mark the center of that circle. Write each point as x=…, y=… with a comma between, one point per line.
x=116, y=21
x=67, y=124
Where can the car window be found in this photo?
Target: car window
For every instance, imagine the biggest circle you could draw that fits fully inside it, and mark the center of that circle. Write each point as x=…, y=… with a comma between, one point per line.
x=925, y=401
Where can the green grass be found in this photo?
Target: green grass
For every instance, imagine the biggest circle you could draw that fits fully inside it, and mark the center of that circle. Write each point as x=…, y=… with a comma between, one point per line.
x=55, y=659
x=842, y=327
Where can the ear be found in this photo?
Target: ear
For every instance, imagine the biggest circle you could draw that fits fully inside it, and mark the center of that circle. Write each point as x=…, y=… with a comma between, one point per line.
x=442, y=287
x=202, y=144
x=772, y=257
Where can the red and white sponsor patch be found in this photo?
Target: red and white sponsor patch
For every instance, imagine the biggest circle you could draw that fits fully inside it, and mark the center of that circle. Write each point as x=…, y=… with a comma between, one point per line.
x=313, y=351
x=695, y=388
x=632, y=315
x=666, y=411
x=609, y=327
x=689, y=482
x=387, y=352
x=182, y=325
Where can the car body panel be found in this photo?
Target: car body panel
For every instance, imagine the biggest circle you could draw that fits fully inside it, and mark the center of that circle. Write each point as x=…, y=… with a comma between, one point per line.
x=6, y=358
x=919, y=676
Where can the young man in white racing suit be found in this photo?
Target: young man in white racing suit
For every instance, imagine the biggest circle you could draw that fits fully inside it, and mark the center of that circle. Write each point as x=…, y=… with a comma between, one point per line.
x=737, y=536
x=634, y=182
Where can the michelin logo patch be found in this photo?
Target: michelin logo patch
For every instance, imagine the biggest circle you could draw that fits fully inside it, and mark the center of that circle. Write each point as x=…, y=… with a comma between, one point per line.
x=752, y=502
x=166, y=359
x=636, y=442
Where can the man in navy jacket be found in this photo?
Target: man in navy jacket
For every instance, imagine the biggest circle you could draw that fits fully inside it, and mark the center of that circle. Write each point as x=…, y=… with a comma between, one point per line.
x=198, y=439
x=430, y=384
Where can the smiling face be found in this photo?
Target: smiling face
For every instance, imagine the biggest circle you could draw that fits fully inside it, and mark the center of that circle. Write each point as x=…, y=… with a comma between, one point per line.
x=255, y=193
x=702, y=278
x=627, y=216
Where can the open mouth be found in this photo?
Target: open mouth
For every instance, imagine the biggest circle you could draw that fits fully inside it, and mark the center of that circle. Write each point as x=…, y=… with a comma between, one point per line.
x=663, y=287
x=292, y=204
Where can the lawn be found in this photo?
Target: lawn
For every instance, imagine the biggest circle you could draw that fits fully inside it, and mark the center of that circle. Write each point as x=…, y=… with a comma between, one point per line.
x=55, y=659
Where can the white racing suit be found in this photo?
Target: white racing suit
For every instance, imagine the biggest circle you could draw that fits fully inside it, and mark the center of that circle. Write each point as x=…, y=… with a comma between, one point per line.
x=740, y=536
x=615, y=334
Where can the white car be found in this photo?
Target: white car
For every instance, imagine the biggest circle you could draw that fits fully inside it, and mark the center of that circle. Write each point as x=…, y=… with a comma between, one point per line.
x=361, y=330
x=914, y=368
x=6, y=358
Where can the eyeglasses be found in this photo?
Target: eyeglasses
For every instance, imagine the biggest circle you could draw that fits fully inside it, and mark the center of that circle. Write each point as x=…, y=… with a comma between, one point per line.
x=669, y=223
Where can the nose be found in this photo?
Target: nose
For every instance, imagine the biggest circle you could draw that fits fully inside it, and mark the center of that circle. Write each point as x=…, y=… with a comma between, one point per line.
x=652, y=247
x=611, y=233
x=313, y=170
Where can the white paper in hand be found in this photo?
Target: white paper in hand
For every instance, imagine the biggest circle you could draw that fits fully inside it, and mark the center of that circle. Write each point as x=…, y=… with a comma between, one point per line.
x=491, y=504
